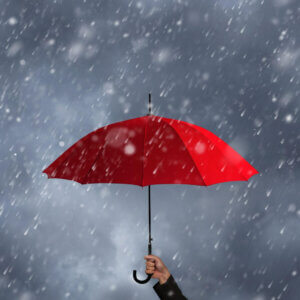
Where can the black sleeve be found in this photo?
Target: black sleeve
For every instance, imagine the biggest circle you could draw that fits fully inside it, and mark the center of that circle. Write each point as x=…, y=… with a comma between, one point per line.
x=169, y=290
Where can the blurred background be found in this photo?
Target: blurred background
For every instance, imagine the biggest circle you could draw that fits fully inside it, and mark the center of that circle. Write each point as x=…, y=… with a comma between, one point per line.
x=70, y=67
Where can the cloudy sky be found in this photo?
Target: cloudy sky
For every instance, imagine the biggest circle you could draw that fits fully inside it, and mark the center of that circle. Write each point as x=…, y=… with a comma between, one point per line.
x=70, y=67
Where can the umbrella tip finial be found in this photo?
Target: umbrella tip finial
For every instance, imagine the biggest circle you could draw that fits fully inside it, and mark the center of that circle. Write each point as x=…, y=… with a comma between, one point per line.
x=149, y=105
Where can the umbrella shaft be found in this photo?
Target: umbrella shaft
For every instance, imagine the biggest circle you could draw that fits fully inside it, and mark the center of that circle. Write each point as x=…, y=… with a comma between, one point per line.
x=149, y=210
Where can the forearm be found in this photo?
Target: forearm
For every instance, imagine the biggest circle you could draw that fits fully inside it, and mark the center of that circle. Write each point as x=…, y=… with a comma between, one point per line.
x=169, y=290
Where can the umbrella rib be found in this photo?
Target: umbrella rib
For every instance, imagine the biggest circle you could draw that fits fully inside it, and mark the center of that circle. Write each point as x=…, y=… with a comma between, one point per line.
x=186, y=150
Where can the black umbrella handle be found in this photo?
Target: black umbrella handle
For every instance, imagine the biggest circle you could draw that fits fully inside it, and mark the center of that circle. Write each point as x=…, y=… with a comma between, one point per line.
x=150, y=238
x=149, y=275
x=141, y=281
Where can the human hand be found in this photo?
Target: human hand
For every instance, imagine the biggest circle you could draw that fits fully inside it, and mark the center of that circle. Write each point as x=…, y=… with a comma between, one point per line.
x=155, y=266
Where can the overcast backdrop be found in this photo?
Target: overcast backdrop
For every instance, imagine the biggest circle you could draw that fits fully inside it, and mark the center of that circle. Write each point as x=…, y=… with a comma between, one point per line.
x=70, y=67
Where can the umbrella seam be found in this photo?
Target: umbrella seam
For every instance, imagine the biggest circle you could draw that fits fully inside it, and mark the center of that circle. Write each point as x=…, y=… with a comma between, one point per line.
x=186, y=149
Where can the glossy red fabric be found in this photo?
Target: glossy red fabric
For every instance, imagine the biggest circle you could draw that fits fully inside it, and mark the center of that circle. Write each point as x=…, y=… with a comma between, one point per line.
x=151, y=150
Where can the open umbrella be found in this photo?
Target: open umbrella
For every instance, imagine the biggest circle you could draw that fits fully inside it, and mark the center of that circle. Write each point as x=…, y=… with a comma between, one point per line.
x=151, y=150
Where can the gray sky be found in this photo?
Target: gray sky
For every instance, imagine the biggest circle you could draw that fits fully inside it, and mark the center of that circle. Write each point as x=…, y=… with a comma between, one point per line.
x=70, y=67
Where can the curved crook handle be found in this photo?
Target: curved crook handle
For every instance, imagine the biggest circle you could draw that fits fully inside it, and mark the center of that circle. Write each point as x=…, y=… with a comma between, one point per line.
x=141, y=281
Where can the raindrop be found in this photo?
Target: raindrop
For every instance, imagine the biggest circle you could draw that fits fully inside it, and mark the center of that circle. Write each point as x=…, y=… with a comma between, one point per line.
x=175, y=256
x=26, y=231
x=216, y=246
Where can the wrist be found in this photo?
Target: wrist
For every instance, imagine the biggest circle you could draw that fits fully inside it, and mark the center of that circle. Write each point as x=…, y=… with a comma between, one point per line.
x=163, y=279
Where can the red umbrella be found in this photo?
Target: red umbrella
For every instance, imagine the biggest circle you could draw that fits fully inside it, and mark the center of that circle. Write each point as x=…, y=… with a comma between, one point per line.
x=151, y=150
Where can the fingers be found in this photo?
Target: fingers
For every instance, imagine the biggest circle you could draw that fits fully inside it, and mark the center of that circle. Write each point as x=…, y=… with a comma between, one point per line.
x=150, y=263
x=152, y=258
x=150, y=270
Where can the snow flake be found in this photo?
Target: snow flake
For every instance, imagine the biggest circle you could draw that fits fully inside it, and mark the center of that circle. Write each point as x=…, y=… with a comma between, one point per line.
x=162, y=56
x=287, y=58
x=91, y=50
x=200, y=147
x=258, y=122
x=274, y=99
x=282, y=35
x=50, y=42
x=205, y=76
x=138, y=44
x=27, y=296
x=108, y=88
x=179, y=22
x=129, y=149
x=86, y=32
x=288, y=118
x=75, y=51
x=12, y=21
x=292, y=207
x=294, y=273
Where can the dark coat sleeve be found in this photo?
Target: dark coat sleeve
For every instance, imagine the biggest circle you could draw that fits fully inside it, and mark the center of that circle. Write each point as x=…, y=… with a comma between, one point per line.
x=169, y=290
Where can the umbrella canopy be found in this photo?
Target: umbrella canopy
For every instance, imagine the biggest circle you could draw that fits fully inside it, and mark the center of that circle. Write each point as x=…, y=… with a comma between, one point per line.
x=151, y=150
